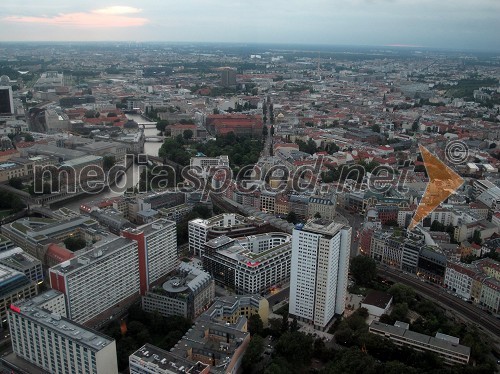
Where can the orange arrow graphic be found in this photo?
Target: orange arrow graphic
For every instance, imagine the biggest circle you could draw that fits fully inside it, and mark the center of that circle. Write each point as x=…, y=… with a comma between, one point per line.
x=443, y=182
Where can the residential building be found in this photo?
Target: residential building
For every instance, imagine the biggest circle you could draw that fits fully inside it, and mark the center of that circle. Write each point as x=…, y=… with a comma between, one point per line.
x=157, y=243
x=320, y=264
x=322, y=205
x=249, y=265
x=98, y=280
x=56, y=344
x=228, y=77
x=459, y=277
x=188, y=293
x=444, y=346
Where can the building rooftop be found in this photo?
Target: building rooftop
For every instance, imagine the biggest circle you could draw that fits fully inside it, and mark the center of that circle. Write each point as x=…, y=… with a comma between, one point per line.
x=167, y=360
x=421, y=338
x=31, y=310
x=377, y=298
x=323, y=226
x=101, y=249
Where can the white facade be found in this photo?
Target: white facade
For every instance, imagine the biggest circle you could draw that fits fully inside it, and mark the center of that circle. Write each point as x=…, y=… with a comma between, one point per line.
x=58, y=345
x=197, y=233
x=52, y=300
x=161, y=248
x=198, y=229
x=320, y=265
x=458, y=279
x=98, y=279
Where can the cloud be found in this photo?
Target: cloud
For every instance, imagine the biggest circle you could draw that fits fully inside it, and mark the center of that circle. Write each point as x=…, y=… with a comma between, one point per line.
x=109, y=17
x=117, y=10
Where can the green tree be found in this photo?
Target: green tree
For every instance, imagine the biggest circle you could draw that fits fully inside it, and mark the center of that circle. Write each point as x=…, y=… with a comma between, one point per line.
x=476, y=237
x=253, y=352
x=255, y=325
x=284, y=322
x=292, y=217
x=375, y=128
x=264, y=130
x=294, y=326
x=317, y=215
x=402, y=294
x=296, y=347
x=17, y=183
x=162, y=125
x=108, y=162
x=74, y=243
x=187, y=134
x=399, y=312
x=363, y=270
x=28, y=137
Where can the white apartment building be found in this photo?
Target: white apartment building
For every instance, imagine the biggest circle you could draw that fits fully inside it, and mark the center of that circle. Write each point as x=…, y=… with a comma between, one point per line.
x=249, y=265
x=157, y=243
x=116, y=271
x=197, y=233
x=459, y=278
x=56, y=344
x=98, y=279
x=320, y=265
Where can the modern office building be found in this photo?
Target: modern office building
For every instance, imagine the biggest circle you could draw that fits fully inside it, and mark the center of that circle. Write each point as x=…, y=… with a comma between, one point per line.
x=56, y=344
x=17, y=259
x=99, y=279
x=228, y=224
x=188, y=293
x=113, y=274
x=14, y=286
x=249, y=265
x=35, y=234
x=6, y=101
x=320, y=265
x=444, y=346
x=157, y=243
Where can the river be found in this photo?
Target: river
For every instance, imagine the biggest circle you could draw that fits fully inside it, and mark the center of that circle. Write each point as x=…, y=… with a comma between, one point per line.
x=132, y=175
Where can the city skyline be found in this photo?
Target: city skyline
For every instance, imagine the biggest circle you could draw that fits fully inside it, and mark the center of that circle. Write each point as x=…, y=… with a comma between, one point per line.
x=398, y=23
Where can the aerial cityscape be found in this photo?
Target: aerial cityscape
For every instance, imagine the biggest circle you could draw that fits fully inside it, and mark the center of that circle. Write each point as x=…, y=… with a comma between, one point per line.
x=219, y=188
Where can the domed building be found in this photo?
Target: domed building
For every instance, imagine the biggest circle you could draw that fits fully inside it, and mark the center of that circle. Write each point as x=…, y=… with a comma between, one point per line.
x=4, y=80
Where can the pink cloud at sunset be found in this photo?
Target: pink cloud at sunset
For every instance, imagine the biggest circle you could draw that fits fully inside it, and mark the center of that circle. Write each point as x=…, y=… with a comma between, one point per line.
x=110, y=17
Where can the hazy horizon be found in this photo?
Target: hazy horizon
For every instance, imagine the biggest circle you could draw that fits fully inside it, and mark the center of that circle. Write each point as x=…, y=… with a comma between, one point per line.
x=448, y=24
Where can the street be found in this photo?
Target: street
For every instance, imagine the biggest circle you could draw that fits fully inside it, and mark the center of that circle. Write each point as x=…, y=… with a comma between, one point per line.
x=355, y=221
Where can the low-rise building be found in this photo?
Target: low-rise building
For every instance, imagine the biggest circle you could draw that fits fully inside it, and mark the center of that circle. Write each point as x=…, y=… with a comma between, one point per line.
x=444, y=346
x=187, y=294
x=377, y=303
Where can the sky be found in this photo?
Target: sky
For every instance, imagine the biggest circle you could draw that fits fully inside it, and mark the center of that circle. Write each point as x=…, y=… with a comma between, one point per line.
x=451, y=24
